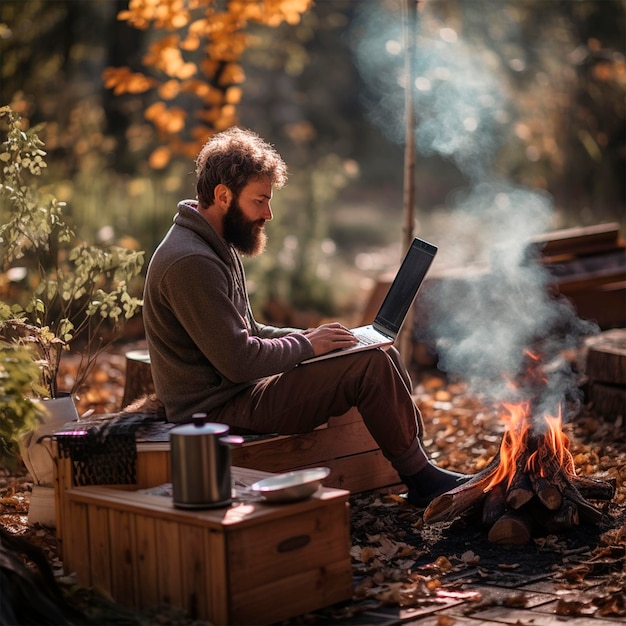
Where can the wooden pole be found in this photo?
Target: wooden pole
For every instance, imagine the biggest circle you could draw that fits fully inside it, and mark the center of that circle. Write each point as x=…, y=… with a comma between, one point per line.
x=409, y=28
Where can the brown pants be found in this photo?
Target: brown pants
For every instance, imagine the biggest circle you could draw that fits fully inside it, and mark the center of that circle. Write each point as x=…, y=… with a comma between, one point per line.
x=375, y=382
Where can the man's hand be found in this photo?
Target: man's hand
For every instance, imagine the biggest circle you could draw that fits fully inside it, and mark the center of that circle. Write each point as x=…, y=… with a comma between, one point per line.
x=329, y=337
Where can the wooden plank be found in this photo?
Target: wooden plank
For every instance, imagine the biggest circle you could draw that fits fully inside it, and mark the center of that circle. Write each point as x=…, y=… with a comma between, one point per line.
x=169, y=563
x=146, y=565
x=194, y=570
x=587, y=280
x=286, y=546
x=153, y=465
x=361, y=472
x=287, y=453
x=579, y=240
x=343, y=436
x=506, y=615
x=77, y=550
x=277, y=600
x=603, y=304
x=100, y=547
x=218, y=578
x=245, y=514
x=123, y=551
x=62, y=482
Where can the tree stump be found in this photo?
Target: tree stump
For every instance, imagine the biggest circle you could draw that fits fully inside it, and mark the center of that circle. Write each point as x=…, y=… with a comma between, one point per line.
x=606, y=370
x=138, y=376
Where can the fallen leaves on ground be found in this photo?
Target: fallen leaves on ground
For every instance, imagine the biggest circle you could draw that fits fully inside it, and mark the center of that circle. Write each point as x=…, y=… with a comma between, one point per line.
x=397, y=560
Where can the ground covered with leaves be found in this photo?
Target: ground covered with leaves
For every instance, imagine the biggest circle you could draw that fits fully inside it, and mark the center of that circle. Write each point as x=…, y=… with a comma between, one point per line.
x=397, y=559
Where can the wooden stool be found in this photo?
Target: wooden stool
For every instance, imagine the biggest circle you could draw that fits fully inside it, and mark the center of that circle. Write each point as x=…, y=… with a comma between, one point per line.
x=138, y=376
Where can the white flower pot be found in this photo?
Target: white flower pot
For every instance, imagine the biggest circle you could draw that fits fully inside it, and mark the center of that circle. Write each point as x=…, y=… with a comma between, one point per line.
x=37, y=456
x=42, y=509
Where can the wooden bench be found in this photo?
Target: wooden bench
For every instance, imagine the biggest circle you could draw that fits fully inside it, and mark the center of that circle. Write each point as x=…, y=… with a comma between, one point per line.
x=249, y=563
x=344, y=444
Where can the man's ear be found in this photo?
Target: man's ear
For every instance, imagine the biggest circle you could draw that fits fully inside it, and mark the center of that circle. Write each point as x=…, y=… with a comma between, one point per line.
x=223, y=196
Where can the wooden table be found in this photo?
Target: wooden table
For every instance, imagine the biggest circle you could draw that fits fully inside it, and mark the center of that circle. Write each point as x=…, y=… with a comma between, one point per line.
x=249, y=563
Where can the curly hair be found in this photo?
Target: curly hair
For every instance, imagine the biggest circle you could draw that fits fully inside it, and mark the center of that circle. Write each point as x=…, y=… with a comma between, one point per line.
x=233, y=158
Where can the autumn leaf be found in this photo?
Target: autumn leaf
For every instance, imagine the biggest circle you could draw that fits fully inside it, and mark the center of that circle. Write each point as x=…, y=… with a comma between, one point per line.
x=160, y=157
x=169, y=90
x=167, y=120
x=169, y=14
x=122, y=80
x=209, y=95
x=232, y=73
x=165, y=55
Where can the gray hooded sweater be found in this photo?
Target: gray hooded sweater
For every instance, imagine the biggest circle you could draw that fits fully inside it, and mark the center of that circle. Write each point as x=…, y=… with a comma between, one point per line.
x=204, y=343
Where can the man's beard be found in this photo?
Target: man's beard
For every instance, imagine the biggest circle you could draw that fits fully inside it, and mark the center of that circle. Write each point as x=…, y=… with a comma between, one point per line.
x=247, y=236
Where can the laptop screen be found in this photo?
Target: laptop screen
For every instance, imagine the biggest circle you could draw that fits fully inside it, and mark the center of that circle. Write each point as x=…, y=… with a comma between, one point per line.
x=405, y=285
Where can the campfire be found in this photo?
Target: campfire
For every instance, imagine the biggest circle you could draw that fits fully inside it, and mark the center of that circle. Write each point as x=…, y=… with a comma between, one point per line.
x=530, y=486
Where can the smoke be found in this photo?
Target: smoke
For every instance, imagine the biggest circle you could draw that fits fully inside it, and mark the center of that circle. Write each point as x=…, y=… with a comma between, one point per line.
x=483, y=321
x=460, y=104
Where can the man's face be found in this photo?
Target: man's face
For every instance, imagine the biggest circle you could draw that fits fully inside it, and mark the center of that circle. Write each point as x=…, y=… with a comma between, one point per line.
x=244, y=222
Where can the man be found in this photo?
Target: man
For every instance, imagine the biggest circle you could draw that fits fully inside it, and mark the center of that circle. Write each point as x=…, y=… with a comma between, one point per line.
x=210, y=355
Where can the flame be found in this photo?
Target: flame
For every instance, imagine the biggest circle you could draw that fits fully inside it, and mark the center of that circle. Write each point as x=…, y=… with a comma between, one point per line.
x=551, y=447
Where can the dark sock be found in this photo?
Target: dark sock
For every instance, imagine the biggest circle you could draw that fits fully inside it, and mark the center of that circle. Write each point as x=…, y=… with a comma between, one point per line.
x=430, y=482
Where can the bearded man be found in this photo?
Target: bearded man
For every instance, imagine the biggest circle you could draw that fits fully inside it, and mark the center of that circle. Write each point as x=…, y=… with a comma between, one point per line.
x=209, y=354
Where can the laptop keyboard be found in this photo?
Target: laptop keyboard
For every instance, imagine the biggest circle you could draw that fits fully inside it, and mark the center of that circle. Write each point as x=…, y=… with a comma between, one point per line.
x=365, y=340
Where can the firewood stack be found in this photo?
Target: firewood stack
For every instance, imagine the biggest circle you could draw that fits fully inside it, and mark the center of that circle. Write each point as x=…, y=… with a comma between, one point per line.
x=530, y=486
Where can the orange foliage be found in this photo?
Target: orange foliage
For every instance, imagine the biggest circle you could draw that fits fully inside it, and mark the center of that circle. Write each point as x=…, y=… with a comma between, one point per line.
x=122, y=80
x=168, y=121
x=199, y=56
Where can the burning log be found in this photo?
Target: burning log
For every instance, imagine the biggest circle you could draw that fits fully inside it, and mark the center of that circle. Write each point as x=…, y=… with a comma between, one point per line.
x=520, y=490
x=512, y=528
x=460, y=499
x=530, y=484
x=494, y=505
x=547, y=492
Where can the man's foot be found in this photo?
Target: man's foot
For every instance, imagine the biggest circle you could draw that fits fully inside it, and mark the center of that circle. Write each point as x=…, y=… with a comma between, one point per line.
x=431, y=482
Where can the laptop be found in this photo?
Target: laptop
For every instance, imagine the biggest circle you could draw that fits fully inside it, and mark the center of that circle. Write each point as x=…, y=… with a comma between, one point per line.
x=390, y=317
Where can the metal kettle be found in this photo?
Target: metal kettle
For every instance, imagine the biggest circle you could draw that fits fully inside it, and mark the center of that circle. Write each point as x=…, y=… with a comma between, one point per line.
x=201, y=460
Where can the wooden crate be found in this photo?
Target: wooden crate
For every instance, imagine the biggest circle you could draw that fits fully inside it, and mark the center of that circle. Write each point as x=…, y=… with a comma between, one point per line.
x=344, y=445
x=250, y=563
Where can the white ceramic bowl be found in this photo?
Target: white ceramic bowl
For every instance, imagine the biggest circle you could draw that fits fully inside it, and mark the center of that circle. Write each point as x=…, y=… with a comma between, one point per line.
x=291, y=486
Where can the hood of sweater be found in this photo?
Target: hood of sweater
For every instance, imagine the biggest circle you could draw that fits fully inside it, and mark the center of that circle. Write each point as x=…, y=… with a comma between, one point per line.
x=189, y=217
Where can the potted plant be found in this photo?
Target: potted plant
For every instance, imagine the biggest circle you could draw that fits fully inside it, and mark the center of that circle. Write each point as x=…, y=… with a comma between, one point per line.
x=56, y=291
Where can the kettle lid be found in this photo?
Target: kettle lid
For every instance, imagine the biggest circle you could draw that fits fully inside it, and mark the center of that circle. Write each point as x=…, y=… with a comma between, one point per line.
x=199, y=426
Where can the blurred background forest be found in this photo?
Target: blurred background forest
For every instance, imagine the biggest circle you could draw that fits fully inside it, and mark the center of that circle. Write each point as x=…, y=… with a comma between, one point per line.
x=518, y=105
